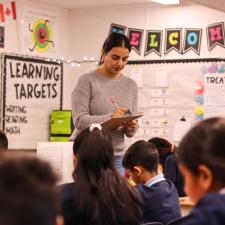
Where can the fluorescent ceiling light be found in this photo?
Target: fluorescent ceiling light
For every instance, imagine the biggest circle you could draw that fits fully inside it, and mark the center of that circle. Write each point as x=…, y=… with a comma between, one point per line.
x=167, y=2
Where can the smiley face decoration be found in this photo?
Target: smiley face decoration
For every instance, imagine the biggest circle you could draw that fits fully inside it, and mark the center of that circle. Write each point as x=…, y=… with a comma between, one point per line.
x=41, y=35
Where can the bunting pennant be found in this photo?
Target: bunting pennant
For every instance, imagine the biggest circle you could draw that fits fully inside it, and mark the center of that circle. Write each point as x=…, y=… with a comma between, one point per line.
x=7, y=11
x=117, y=28
x=192, y=40
x=153, y=42
x=135, y=36
x=215, y=35
x=173, y=40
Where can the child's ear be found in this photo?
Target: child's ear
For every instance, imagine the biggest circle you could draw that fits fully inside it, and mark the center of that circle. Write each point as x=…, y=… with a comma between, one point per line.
x=205, y=178
x=137, y=170
x=75, y=157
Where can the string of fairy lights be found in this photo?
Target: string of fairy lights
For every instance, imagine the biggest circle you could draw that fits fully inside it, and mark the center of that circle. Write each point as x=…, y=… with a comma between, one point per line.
x=73, y=63
x=61, y=60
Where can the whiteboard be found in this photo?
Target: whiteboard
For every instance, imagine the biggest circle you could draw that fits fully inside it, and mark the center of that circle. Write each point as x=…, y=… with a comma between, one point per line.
x=175, y=89
x=32, y=88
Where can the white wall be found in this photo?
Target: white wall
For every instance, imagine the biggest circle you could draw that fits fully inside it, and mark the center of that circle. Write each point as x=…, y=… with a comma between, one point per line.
x=14, y=28
x=82, y=31
x=14, y=33
x=89, y=28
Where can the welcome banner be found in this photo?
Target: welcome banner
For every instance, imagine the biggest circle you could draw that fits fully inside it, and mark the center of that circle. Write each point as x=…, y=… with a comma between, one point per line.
x=173, y=38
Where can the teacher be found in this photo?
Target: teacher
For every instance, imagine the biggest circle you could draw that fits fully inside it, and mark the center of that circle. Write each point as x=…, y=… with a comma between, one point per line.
x=105, y=92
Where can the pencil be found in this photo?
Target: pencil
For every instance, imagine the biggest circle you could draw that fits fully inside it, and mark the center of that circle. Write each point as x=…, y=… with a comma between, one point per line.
x=114, y=103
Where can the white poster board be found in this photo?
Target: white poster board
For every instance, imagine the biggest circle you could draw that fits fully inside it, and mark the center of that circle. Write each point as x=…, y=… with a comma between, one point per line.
x=60, y=156
x=32, y=88
x=184, y=89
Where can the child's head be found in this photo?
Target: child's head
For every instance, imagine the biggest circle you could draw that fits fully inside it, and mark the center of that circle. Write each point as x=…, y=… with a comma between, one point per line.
x=201, y=156
x=164, y=147
x=27, y=191
x=141, y=158
x=94, y=151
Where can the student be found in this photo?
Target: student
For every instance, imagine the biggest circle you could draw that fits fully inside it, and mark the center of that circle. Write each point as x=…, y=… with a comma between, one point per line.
x=99, y=194
x=201, y=155
x=168, y=161
x=3, y=141
x=106, y=92
x=160, y=196
x=27, y=192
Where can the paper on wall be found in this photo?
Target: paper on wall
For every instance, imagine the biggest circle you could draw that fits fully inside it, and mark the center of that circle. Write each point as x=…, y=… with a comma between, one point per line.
x=180, y=129
x=161, y=78
x=136, y=74
x=60, y=157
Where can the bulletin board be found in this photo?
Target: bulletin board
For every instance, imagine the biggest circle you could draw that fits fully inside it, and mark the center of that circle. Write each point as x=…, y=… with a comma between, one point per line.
x=31, y=89
x=174, y=94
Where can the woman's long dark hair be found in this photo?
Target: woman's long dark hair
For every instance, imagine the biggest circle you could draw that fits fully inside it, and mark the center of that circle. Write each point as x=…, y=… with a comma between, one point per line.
x=115, y=40
x=101, y=195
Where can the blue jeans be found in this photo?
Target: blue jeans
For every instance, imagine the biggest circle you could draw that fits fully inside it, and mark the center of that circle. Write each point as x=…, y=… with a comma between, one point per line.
x=118, y=164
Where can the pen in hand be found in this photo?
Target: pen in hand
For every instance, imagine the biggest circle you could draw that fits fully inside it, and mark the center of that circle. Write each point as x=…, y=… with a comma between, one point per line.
x=120, y=111
x=114, y=103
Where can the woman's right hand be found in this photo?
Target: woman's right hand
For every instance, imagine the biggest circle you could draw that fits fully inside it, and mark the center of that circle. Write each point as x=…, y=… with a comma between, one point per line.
x=119, y=112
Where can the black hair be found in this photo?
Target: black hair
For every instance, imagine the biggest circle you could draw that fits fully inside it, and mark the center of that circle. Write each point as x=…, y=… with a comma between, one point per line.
x=164, y=147
x=100, y=192
x=141, y=153
x=3, y=141
x=27, y=191
x=115, y=40
x=205, y=144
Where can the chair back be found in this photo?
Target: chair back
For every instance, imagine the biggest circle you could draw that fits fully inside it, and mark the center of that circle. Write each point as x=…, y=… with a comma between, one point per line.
x=176, y=221
x=152, y=223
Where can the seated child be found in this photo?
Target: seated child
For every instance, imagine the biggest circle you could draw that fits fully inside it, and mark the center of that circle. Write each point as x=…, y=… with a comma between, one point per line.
x=161, y=202
x=201, y=157
x=168, y=162
x=98, y=193
x=27, y=191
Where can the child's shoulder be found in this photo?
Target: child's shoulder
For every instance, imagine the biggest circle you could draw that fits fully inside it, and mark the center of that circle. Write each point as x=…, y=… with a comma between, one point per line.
x=209, y=210
x=164, y=186
x=213, y=200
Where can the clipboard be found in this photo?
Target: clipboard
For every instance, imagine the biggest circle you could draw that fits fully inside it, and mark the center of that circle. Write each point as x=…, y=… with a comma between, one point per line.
x=116, y=122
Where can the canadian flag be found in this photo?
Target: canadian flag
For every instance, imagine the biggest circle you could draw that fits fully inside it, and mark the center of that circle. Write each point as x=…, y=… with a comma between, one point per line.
x=8, y=11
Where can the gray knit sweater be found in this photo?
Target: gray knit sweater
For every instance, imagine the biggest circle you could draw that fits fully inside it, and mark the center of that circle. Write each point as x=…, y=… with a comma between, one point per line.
x=91, y=103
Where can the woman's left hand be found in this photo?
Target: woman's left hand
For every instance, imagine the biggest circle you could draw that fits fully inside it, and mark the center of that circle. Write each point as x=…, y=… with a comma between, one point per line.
x=130, y=126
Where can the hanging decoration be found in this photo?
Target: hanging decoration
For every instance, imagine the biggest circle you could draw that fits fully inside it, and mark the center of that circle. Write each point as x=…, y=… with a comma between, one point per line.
x=215, y=35
x=153, y=42
x=173, y=40
x=41, y=35
x=192, y=40
x=117, y=28
x=135, y=36
x=7, y=11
